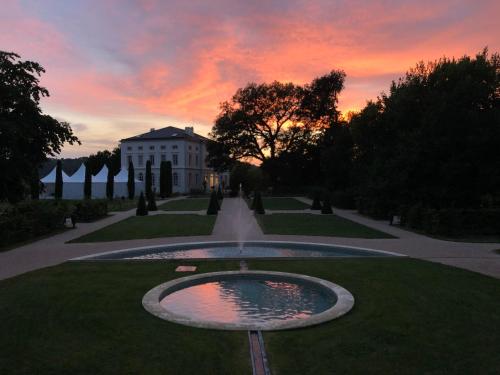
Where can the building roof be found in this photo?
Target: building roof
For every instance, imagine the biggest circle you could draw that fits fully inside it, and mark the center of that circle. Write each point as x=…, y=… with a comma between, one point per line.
x=169, y=132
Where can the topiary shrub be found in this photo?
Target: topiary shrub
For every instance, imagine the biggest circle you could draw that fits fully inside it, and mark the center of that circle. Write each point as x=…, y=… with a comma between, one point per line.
x=220, y=196
x=89, y=210
x=152, y=202
x=213, y=205
x=316, y=204
x=327, y=206
x=258, y=205
x=141, y=206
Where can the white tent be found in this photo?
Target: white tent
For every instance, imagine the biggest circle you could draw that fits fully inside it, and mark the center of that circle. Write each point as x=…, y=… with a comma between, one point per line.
x=121, y=181
x=99, y=183
x=49, y=182
x=73, y=186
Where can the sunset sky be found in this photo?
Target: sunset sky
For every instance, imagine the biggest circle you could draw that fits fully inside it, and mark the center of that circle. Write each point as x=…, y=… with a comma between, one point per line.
x=118, y=68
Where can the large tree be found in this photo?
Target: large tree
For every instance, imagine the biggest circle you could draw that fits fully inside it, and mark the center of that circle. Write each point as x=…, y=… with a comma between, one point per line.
x=27, y=136
x=262, y=122
x=110, y=158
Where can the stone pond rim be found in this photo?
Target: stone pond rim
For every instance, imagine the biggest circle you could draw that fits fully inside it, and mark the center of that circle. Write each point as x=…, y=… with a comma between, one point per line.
x=151, y=301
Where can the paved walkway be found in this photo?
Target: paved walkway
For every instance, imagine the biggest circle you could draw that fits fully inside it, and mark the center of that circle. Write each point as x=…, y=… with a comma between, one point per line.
x=236, y=222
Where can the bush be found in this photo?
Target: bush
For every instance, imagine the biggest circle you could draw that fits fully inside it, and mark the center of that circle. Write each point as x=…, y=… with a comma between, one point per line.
x=89, y=210
x=258, y=206
x=327, y=206
x=316, y=204
x=453, y=221
x=213, y=205
x=343, y=199
x=141, y=206
x=31, y=219
x=152, y=203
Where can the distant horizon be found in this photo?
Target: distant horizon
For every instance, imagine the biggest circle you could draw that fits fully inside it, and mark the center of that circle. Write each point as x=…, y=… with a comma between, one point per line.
x=114, y=71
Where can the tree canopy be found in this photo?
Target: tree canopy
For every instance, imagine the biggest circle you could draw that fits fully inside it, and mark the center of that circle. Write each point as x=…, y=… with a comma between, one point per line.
x=264, y=121
x=27, y=135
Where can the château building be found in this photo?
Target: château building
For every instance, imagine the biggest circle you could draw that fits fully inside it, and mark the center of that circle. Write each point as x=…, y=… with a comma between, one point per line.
x=185, y=149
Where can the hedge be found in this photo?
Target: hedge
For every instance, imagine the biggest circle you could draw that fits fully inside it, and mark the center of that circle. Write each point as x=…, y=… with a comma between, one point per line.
x=89, y=210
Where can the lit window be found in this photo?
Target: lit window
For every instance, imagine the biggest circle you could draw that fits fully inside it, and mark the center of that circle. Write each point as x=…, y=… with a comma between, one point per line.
x=175, y=177
x=175, y=159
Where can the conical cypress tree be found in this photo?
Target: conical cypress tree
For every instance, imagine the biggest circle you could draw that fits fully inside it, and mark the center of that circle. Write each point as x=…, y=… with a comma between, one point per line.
x=316, y=205
x=327, y=206
x=152, y=202
x=165, y=179
x=87, y=185
x=148, y=180
x=110, y=184
x=58, y=188
x=213, y=206
x=141, y=206
x=220, y=196
x=259, y=206
x=131, y=181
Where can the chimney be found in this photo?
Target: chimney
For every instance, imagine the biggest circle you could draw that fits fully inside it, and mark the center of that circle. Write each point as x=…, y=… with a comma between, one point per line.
x=151, y=130
x=189, y=130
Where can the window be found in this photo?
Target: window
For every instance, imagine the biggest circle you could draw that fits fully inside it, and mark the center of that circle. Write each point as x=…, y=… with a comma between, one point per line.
x=196, y=148
x=152, y=159
x=151, y=147
x=189, y=147
x=163, y=157
x=129, y=148
x=174, y=147
x=139, y=148
x=175, y=159
x=190, y=180
x=140, y=161
x=196, y=160
x=152, y=179
x=190, y=157
x=175, y=177
x=141, y=177
x=129, y=159
x=163, y=147
x=197, y=178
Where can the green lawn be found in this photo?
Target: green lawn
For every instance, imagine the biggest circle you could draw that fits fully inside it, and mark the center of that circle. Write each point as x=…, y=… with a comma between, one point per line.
x=316, y=225
x=188, y=204
x=410, y=317
x=277, y=203
x=153, y=226
x=87, y=318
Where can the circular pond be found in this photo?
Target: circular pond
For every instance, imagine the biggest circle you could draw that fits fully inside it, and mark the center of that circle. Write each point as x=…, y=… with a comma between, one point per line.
x=248, y=300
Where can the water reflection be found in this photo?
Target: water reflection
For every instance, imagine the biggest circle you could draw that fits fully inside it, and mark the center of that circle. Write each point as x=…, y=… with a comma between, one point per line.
x=248, y=301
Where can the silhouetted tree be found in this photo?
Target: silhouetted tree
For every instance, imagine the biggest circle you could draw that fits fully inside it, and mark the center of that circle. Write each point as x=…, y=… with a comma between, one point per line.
x=112, y=159
x=165, y=179
x=316, y=204
x=258, y=205
x=28, y=136
x=87, y=185
x=110, y=182
x=326, y=208
x=58, y=187
x=213, y=205
x=141, y=206
x=131, y=181
x=148, y=180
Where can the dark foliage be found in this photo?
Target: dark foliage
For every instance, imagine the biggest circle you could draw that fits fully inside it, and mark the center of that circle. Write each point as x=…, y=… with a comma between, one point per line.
x=141, y=206
x=110, y=183
x=165, y=179
x=249, y=176
x=131, y=181
x=220, y=196
x=58, y=188
x=148, y=181
x=213, y=205
x=87, y=185
x=258, y=206
x=110, y=158
x=326, y=207
x=152, y=202
x=90, y=210
x=316, y=204
x=28, y=136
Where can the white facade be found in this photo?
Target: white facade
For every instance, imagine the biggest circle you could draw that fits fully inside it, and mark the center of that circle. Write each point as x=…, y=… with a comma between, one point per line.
x=184, y=149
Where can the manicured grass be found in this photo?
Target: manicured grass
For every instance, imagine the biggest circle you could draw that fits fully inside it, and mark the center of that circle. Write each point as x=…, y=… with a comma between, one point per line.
x=410, y=317
x=277, y=203
x=316, y=225
x=152, y=227
x=188, y=204
x=87, y=318
x=122, y=204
